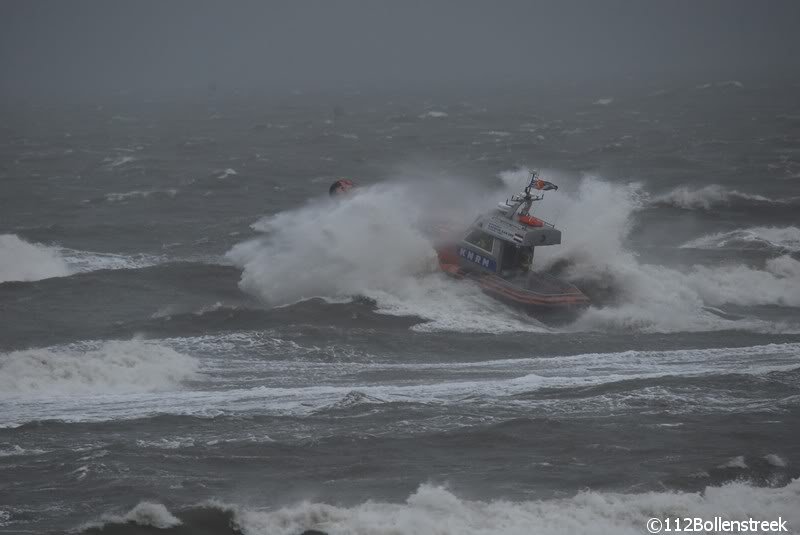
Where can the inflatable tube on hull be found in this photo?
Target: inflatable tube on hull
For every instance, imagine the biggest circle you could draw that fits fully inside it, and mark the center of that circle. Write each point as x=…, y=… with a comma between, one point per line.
x=565, y=303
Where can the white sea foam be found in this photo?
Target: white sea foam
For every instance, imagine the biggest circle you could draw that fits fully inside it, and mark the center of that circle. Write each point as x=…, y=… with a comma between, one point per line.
x=433, y=114
x=107, y=367
x=603, y=101
x=735, y=462
x=505, y=379
x=726, y=83
x=371, y=243
x=167, y=443
x=227, y=173
x=298, y=386
x=709, y=196
x=781, y=239
x=139, y=194
x=777, y=284
x=731, y=83
x=775, y=460
x=24, y=261
x=119, y=161
x=224, y=354
x=595, y=220
x=659, y=299
x=335, y=249
x=144, y=514
x=85, y=261
x=16, y=450
x=439, y=510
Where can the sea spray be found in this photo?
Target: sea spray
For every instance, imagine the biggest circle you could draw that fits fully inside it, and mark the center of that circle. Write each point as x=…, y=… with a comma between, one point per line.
x=336, y=248
x=596, y=217
x=24, y=261
x=378, y=242
x=375, y=243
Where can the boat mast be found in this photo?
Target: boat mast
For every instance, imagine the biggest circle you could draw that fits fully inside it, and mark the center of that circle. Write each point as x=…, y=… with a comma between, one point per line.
x=524, y=200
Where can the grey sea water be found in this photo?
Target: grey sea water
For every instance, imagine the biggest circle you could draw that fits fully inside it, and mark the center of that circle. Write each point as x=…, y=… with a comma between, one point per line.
x=195, y=339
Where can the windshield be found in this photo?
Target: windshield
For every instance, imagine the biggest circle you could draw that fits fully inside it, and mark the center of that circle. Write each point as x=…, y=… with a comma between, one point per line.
x=517, y=258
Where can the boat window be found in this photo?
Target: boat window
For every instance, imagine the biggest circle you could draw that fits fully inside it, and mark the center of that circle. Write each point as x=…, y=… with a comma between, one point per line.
x=480, y=239
x=517, y=258
x=525, y=258
x=509, y=256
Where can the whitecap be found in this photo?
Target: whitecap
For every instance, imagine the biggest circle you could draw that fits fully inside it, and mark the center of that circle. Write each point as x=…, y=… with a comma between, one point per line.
x=24, y=261
x=91, y=368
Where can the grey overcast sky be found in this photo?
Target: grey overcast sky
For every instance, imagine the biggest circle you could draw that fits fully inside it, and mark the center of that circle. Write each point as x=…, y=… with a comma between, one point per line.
x=110, y=45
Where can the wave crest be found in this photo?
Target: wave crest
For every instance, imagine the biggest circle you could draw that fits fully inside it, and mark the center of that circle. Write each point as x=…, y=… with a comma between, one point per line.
x=707, y=197
x=780, y=240
x=628, y=294
x=107, y=367
x=436, y=509
x=145, y=514
x=371, y=244
x=335, y=249
x=24, y=261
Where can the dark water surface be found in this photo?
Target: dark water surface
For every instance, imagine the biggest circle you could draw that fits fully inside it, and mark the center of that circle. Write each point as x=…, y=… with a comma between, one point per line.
x=195, y=339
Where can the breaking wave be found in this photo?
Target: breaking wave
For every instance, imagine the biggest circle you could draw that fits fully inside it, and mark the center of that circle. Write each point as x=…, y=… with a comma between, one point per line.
x=139, y=194
x=334, y=249
x=24, y=261
x=297, y=388
x=146, y=514
x=374, y=243
x=107, y=367
x=777, y=284
x=436, y=509
x=636, y=295
x=707, y=197
x=780, y=240
x=85, y=261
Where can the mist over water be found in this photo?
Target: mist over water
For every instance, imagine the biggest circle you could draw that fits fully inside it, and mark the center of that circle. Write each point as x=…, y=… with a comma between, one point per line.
x=94, y=47
x=196, y=338
x=199, y=295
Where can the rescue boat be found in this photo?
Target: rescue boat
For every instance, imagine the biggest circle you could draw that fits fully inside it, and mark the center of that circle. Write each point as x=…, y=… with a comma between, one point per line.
x=497, y=252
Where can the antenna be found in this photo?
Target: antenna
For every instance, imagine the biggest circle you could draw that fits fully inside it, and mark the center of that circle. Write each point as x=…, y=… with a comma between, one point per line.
x=524, y=200
x=534, y=176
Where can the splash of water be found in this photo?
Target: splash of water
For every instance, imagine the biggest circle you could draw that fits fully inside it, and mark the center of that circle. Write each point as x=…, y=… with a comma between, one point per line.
x=23, y=261
x=375, y=243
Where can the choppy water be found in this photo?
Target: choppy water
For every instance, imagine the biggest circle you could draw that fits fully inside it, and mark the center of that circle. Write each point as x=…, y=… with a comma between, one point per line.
x=193, y=336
